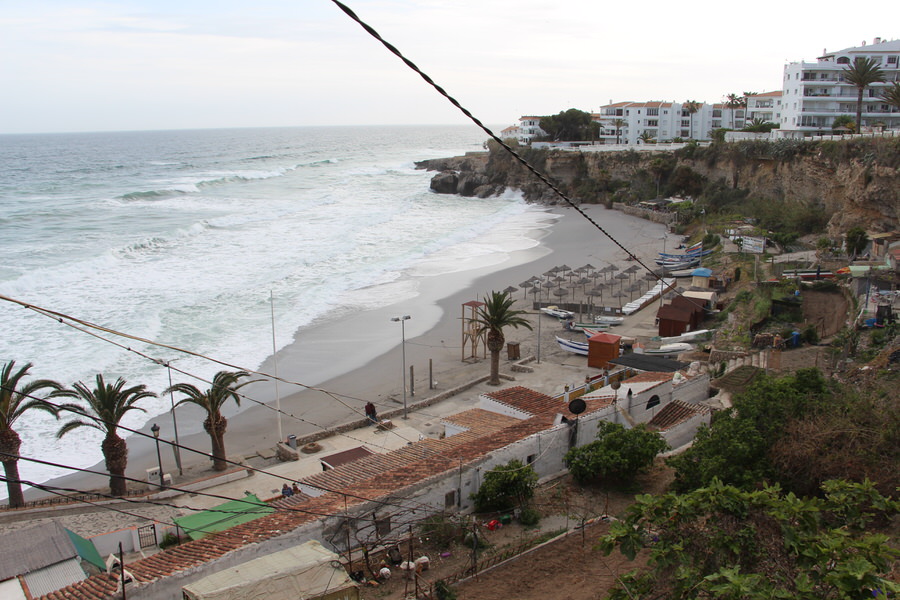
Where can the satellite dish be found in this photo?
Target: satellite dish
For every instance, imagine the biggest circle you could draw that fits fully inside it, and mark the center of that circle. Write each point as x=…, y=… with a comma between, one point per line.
x=615, y=385
x=577, y=406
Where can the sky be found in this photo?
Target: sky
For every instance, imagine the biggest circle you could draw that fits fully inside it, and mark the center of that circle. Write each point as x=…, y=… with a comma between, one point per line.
x=74, y=65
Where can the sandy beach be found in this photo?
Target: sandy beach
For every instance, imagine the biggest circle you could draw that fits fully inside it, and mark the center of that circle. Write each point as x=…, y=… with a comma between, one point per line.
x=372, y=371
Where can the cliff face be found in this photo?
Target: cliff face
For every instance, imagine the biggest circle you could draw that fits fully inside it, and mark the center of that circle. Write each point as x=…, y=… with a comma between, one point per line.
x=855, y=187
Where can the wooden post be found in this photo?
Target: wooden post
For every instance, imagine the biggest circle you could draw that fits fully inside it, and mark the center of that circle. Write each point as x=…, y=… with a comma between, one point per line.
x=412, y=381
x=430, y=374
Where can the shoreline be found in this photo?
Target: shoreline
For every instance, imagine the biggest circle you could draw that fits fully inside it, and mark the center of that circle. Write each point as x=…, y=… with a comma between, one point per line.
x=570, y=239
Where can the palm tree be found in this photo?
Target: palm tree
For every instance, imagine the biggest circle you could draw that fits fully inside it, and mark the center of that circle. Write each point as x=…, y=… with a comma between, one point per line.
x=646, y=137
x=891, y=95
x=619, y=124
x=863, y=73
x=224, y=386
x=691, y=107
x=104, y=408
x=493, y=317
x=17, y=398
x=732, y=103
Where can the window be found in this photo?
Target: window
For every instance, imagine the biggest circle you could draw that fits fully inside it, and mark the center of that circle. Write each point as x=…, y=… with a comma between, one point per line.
x=653, y=401
x=843, y=60
x=652, y=112
x=530, y=459
x=892, y=60
x=383, y=525
x=450, y=499
x=717, y=113
x=652, y=122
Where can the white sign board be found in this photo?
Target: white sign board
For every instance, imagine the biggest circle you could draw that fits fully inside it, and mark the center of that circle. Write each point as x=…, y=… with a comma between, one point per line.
x=753, y=245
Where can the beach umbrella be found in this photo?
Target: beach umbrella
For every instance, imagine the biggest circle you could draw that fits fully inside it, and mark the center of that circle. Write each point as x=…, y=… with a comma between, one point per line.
x=619, y=295
x=621, y=277
x=588, y=267
x=525, y=285
x=560, y=292
x=511, y=290
x=591, y=295
x=550, y=273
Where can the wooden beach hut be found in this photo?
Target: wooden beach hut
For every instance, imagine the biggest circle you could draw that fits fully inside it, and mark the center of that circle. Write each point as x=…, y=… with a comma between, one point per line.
x=603, y=348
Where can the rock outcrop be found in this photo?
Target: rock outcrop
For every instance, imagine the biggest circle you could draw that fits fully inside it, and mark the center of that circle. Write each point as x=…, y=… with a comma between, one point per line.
x=857, y=184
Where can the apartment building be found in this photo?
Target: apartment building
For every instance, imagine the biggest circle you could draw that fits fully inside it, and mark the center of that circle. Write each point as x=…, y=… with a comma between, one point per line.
x=664, y=121
x=815, y=93
x=765, y=107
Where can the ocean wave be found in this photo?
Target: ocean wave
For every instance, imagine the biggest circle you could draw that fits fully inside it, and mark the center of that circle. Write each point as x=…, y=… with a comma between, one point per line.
x=154, y=194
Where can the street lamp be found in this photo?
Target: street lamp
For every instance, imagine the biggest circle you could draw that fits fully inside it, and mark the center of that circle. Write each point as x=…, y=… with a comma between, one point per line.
x=155, y=430
x=403, y=320
x=174, y=421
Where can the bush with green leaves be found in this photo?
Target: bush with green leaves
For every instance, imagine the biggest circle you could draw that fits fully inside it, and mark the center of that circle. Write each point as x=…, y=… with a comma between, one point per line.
x=529, y=517
x=443, y=591
x=618, y=454
x=505, y=487
x=719, y=541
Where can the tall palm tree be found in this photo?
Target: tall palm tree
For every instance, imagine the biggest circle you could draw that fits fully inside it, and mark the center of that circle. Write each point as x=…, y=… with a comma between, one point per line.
x=103, y=409
x=863, y=73
x=619, y=124
x=691, y=107
x=224, y=386
x=492, y=318
x=891, y=95
x=732, y=102
x=16, y=398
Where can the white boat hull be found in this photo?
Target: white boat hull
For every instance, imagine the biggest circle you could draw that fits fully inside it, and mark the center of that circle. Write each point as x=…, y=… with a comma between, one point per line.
x=573, y=347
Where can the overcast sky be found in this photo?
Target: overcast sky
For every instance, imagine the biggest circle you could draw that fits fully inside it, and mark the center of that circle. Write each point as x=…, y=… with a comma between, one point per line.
x=74, y=65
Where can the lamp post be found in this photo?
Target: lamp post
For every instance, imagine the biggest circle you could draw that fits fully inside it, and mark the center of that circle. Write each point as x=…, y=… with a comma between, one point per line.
x=174, y=421
x=155, y=430
x=403, y=320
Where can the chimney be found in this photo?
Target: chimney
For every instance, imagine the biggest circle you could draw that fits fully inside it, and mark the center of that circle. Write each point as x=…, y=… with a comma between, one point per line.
x=876, y=40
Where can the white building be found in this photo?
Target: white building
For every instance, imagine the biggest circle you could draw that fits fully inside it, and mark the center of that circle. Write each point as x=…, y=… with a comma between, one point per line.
x=529, y=128
x=815, y=93
x=765, y=107
x=664, y=121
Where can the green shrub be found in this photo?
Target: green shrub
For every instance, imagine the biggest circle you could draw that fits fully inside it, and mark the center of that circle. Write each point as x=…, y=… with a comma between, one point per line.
x=810, y=335
x=505, y=486
x=169, y=540
x=529, y=517
x=442, y=530
x=443, y=591
x=737, y=273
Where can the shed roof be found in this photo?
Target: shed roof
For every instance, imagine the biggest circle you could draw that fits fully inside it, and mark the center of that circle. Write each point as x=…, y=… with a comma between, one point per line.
x=32, y=548
x=347, y=456
x=224, y=516
x=605, y=338
x=646, y=362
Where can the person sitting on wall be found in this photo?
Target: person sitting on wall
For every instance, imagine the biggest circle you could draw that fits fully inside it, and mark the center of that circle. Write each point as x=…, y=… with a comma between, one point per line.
x=286, y=491
x=371, y=413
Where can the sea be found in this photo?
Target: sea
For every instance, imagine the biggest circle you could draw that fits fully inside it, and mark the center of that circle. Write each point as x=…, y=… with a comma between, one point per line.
x=212, y=241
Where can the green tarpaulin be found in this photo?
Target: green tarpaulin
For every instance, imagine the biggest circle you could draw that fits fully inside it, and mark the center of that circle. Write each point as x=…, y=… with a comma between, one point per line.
x=224, y=516
x=86, y=550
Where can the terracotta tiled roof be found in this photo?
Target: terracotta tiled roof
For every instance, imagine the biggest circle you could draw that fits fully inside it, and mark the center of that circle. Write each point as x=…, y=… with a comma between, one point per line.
x=674, y=413
x=369, y=478
x=648, y=377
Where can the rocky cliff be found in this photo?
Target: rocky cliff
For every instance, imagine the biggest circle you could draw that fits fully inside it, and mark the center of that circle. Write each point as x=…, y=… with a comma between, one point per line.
x=849, y=183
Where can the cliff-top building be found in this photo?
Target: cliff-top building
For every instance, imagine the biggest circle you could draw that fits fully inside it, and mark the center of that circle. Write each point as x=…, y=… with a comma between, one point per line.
x=815, y=93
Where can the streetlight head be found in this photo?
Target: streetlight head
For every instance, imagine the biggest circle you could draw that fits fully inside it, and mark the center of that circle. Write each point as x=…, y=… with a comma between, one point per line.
x=403, y=318
x=155, y=430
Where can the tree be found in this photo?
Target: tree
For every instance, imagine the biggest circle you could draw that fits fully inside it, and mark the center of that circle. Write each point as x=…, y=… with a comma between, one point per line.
x=725, y=543
x=891, y=95
x=732, y=103
x=103, y=409
x=856, y=240
x=618, y=453
x=572, y=125
x=17, y=398
x=757, y=125
x=736, y=446
x=224, y=386
x=863, y=73
x=492, y=318
x=845, y=121
x=505, y=487
x=691, y=107
x=646, y=137
x=619, y=124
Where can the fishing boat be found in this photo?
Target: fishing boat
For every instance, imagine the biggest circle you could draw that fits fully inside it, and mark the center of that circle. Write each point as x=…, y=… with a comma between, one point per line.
x=591, y=332
x=609, y=319
x=669, y=265
x=573, y=326
x=573, y=347
x=555, y=311
x=665, y=349
x=686, y=254
x=687, y=336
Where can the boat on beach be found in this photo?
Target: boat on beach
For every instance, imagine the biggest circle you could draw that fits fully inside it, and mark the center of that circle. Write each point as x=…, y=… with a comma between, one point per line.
x=609, y=320
x=572, y=326
x=555, y=311
x=572, y=346
x=666, y=349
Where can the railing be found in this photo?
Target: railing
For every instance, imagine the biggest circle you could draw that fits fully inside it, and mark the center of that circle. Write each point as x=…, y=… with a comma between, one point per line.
x=74, y=499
